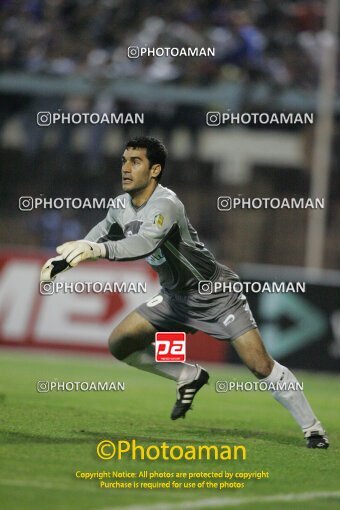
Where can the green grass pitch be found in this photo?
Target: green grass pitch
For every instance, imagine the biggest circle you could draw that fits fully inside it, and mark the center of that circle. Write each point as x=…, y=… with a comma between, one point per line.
x=47, y=437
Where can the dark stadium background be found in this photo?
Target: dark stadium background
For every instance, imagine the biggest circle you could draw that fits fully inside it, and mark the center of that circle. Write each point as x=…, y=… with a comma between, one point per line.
x=71, y=56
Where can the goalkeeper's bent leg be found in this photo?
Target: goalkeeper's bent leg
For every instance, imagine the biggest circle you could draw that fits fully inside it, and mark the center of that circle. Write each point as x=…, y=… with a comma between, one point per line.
x=251, y=350
x=292, y=399
x=131, y=342
x=145, y=360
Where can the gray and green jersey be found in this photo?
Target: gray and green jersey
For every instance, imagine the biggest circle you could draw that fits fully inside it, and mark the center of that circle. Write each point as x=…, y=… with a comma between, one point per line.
x=160, y=232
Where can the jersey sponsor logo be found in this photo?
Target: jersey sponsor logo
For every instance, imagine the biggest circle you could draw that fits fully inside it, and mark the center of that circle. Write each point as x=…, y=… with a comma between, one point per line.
x=154, y=301
x=170, y=347
x=159, y=220
x=156, y=259
x=228, y=320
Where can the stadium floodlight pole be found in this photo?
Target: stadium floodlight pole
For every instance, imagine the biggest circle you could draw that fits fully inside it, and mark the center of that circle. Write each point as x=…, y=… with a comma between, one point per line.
x=321, y=155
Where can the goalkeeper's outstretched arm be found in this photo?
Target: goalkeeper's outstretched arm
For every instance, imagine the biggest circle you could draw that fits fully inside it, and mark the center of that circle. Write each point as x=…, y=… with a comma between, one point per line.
x=73, y=252
x=153, y=231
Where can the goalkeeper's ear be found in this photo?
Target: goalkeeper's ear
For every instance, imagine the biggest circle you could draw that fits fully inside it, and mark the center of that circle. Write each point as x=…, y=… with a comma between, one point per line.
x=53, y=267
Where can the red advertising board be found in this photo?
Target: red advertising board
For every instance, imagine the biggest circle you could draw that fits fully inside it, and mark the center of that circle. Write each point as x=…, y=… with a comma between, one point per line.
x=78, y=320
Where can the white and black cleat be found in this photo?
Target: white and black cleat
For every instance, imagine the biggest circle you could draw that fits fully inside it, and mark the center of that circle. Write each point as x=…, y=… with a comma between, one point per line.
x=186, y=393
x=317, y=440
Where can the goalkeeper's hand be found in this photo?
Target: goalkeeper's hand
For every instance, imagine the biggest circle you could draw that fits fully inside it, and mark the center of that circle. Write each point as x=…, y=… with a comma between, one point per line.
x=74, y=252
x=53, y=267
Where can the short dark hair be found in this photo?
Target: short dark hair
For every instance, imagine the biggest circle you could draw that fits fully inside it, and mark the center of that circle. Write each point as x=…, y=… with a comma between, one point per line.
x=155, y=150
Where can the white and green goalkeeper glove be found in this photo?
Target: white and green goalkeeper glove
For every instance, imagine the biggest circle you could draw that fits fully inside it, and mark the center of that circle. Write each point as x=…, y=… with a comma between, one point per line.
x=70, y=254
x=74, y=252
x=53, y=267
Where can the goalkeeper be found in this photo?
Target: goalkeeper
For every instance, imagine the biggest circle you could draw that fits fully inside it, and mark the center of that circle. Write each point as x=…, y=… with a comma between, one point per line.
x=154, y=225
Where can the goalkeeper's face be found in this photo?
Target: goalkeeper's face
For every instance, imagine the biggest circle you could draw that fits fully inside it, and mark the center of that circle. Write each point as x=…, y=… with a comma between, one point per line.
x=136, y=171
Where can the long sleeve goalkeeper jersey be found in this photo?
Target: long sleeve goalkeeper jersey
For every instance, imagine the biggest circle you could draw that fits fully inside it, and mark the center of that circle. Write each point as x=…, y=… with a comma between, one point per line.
x=160, y=232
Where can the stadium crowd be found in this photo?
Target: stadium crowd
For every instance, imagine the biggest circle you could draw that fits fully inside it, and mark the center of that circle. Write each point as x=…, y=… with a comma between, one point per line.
x=270, y=40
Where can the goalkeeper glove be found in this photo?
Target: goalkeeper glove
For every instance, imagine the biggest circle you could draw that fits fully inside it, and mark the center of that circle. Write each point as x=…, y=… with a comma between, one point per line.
x=77, y=251
x=52, y=267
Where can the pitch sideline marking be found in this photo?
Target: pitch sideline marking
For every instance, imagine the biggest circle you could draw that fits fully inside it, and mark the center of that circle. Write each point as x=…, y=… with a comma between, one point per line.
x=224, y=502
x=209, y=502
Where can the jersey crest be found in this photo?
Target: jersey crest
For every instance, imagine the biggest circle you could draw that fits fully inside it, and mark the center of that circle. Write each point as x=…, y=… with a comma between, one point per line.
x=159, y=220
